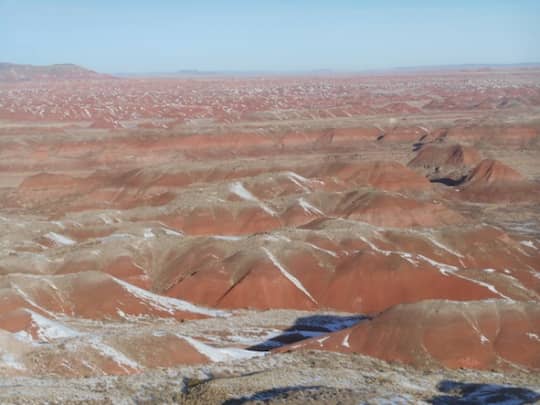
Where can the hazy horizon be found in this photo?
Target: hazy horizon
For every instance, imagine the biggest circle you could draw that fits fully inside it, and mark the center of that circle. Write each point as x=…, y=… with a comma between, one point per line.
x=241, y=36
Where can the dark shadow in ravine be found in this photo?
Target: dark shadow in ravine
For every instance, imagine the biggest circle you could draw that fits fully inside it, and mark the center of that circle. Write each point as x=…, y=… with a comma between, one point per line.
x=417, y=146
x=307, y=327
x=455, y=392
x=450, y=182
x=267, y=395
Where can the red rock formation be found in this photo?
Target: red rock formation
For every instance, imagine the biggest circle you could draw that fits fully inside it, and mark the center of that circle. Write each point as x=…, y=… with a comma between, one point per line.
x=477, y=334
x=392, y=210
x=491, y=171
x=354, y=274
x=433, y=155
x=493, y=181
x=93, y=295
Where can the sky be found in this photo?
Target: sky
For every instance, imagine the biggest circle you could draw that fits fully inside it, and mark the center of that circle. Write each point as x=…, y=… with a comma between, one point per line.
x=116, y=36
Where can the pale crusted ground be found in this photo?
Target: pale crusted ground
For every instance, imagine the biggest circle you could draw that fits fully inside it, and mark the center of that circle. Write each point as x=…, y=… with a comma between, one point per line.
x=292, y=378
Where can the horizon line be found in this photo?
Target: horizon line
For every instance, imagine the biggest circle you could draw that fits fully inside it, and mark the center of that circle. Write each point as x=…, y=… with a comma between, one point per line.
x=214, y=72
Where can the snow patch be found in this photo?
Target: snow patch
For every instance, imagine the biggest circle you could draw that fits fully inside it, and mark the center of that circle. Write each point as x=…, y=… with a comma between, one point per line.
x=299, y=181
x=27, y=298
x=221, y=354
x=276, y=238
x=528, y=243
x=329, y=252
x=309, y=208
x=288, y=275
x=115, y=236
x=447, y=270
x=47, y=329
x=239, y=189
x=227, y=237
x=171, y=232
x=440, y=245
x=106, y=219
x=167, y=304
x=9, y=360
x=23, y=336
x=345, y=341
x=148, y=234
x=59, y=239
x=302, y=179
x=59, y=224
x=118, y=357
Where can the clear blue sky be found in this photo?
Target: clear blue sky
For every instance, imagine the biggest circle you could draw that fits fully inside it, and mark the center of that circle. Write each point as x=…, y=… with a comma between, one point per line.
x=160, y=35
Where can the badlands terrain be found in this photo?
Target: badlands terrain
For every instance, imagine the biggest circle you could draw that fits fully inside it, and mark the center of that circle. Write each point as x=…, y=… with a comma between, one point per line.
x=274, y=239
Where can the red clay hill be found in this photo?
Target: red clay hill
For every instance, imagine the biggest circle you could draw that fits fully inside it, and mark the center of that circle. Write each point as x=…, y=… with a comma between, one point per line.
x=441, y=161
x=493, y=181
x=475, y=334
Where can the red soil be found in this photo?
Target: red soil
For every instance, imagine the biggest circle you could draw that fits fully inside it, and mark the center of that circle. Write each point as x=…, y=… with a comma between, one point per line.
x=480, y=335
x=493, y=181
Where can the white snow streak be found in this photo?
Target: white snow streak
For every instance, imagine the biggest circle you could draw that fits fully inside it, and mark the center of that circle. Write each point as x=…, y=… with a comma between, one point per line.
x=239, y=189
x=118, y=357
x=171, y=232
x=528, y=243
x=288, y=275
x=447, y=269
x=48, y=330
x=106, y=219
x=296, y=179
x=329, y=252
x=60, y=239
x=9, y=360
x=27, y=298
x=221, y=354
x=346, y=341
x=167, y=304
x=148, y=234
x=309, y=208
x=227, y=237
x=439, y=244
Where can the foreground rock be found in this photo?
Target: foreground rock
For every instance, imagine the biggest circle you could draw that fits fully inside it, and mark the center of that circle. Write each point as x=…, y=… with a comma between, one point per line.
x=291, y=378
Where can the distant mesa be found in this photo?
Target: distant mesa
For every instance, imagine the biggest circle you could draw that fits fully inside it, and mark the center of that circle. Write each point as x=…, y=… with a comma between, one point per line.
x=11, y=72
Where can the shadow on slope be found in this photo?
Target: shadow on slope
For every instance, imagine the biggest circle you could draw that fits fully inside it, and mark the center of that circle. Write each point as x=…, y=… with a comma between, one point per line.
x=482, y=394
x=307, y=327
x=447, y=181
x=273, y=394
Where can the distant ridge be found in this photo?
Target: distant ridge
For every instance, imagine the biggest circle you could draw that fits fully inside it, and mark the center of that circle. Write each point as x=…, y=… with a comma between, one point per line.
x=470, y=66
x=12, y=72
x=327, y=72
